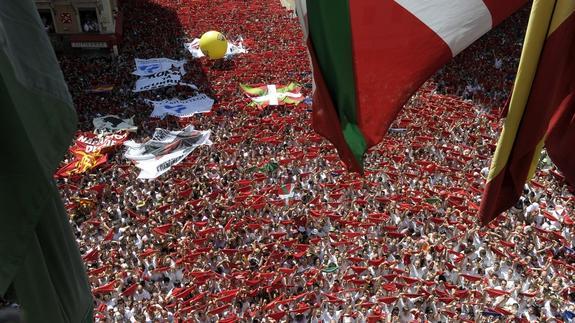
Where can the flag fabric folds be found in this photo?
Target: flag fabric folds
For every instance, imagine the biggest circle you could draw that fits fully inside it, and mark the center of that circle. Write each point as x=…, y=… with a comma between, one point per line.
x=89, y=142
x=200, y=103
x=40, y=262
x=370, y=56
x=272, y=94
x=113, y=123
x=285, y=192
x=82, y=163
x=166, y=149
x=541, y=110
x=90, y=151
x=155, y=73
x=152, y=66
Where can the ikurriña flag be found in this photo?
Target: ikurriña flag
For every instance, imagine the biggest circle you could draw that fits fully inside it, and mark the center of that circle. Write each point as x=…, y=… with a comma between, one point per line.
x=370, y=56
x=541, y=110
x=271, y=94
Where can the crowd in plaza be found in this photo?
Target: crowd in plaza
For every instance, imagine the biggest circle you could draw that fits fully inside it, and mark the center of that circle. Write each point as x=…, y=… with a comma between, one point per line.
x=212, y=241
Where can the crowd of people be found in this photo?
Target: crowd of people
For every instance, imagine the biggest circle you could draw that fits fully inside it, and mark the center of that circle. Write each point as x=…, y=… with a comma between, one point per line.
x=211, y=241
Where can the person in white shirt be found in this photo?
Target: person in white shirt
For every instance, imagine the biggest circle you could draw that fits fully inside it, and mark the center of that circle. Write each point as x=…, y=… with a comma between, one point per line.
x=325, y=313
x=129, y=314
x=141, y=294
x=405, y=315
x=498, y=63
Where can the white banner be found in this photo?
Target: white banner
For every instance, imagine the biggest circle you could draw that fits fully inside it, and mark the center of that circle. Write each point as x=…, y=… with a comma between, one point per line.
x=152, y=168
x=233, y=49
x=182, y=108
x=164, y=150
x=158, y=80
x=156, y=65
x=113, y=123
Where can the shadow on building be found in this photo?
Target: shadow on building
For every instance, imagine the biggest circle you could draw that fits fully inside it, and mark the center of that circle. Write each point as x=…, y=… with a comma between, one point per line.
x=101, y=82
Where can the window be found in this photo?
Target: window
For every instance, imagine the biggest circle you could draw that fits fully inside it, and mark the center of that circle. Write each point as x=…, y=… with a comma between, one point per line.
x=47, y=21
x=89, y=20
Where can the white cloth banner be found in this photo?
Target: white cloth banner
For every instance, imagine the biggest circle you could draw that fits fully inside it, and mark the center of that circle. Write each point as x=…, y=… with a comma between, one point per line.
x=233, y=49
x=182, y=108
x=156, y=65
x=113, y=123
x=152, y=168
x=164, y=150
x=158, y=80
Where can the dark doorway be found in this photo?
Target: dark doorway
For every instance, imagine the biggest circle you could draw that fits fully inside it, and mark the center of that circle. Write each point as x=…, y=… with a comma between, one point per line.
x=89, y=20
x=47, y=21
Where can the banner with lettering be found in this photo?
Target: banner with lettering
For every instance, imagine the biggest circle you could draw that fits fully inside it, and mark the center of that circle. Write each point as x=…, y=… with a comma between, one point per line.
x=164, y=150
x=158, y=80
x=90, y=142
x=156, y=65
x=182, y=108
x=113, y=123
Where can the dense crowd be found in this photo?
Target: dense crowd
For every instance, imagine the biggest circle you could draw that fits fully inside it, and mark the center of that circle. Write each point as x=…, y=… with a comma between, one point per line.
x=211, y=240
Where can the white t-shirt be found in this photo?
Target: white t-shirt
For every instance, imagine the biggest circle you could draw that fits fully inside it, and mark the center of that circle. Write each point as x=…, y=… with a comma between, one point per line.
x=144, y=294
x=498, y=63
x=326, y=316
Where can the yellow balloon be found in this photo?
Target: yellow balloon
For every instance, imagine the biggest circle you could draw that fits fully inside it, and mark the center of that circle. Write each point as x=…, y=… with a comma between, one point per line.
x=213, y=44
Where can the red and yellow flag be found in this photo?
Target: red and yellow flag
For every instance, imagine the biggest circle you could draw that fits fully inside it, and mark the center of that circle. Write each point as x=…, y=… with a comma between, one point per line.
x=541, y=107
x=82, y=163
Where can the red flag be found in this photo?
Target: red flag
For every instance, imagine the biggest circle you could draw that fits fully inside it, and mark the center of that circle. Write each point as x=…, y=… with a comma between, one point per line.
x=229, y=319
x=107, y=288
x=92, y=255
x=227, y=296
x=147, y=252
x=110, y=235
x=130, y=290
x=186, y=193
x=162, y=229
x=97, y=271
x=82, y=163
x=228, y=225
x=98, y=188
x=567, y=220
x=184, y=292
x=132, y=214
x=493, y=292
x=301, y=308
x=388, y=300
x=277, y=315
x=472, y=278
x=218, y=310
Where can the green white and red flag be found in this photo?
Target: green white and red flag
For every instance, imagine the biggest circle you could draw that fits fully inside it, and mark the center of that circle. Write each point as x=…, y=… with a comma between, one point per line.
x=370, y=56
x=272, y=94
x=286, y=191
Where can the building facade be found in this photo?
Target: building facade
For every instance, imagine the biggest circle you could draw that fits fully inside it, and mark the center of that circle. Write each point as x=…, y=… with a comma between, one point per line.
x=86, y=24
